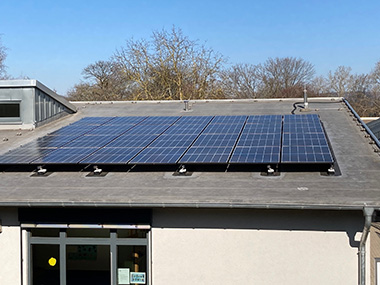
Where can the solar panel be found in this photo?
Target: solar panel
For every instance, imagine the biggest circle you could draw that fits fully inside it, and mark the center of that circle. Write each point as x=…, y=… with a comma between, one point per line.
x=304, y=140
x=72, y=130
x=90, y=141
x=93, y=121
x=106, y=130
x=65, y=155
x=258, y=139
x=112, y=155
x=306, y=154
x=265, y=119
x=262, y=128
x=49, y=142
x=173, y=141
x=164, y=120
x=124, y=121
x=223, y=129
x=148, y=129
x=132, y=141
x=207, y=155
x=228, y=119
x=159, y=155
x=216, y=140
x=23, y=155
x=194, y=120
x=256, y=154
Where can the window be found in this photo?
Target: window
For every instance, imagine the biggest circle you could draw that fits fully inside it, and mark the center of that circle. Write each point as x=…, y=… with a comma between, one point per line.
x=71, y=256
x=9, y=110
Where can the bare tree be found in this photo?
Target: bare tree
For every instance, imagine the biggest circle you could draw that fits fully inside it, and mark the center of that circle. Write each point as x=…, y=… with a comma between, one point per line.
x=240, y=81
x=318, y=86
x=105, y=81
x=359, y=83
x=169, y=66
x=339, y=81
x=3, y=56
x=282, y=77
x=375, y=78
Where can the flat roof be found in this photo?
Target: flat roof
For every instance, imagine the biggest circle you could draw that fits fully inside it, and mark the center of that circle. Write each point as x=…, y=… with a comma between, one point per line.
x=356, y=187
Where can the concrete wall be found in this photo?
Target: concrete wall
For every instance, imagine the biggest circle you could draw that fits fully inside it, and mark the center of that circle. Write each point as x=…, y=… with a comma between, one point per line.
x=10, y=248
x=254, y=247
x=26, y=98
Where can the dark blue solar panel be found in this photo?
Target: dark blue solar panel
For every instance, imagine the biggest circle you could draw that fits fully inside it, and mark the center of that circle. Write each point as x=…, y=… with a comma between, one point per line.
x=197, y=139
x=23, y=155
x=223, y=129
x=306, y=154
x=125, y=121
x=218, y=140
x=185, y=129
x=50, y=142
x=132, y=141
x=112, y=155
x=301, y=118
x=304, y=139
x=147, y=129
x=262, y=129
x=94, y=121
x=207, y=155
x=264, y=119
x=109, y=130
x=260, y=140
x=228, y=119
x=168, y=120
x=159, y=155
x=65, y=155
x=262, y=154
x=73, y=130
x=173, y=141
x=194, y=120
x=303, y=128
x=90, y=141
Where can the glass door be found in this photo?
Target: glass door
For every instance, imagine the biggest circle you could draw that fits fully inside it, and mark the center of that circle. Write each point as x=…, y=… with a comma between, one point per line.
x=88, y=264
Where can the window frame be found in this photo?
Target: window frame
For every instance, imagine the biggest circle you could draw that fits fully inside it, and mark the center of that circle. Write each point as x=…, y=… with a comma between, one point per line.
x=15, y=118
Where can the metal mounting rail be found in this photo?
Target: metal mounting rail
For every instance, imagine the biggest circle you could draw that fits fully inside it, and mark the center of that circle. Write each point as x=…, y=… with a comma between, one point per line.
x=362, y=123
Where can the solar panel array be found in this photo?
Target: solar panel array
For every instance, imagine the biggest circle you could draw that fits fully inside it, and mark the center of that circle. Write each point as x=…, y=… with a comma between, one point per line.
x=265, y=139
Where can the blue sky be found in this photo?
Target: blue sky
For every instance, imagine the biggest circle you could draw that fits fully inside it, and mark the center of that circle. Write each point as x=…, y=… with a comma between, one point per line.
x=52, y=41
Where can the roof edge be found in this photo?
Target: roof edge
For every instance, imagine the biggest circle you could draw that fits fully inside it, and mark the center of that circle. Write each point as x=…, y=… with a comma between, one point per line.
x=310, y=99
x=191, y=205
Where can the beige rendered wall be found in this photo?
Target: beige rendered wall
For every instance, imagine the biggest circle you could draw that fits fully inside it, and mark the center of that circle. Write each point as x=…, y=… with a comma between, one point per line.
x=294, y=248
x=10, y=248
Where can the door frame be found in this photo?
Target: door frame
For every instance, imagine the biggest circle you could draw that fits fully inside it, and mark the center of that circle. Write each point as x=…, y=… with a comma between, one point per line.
x=113, y=241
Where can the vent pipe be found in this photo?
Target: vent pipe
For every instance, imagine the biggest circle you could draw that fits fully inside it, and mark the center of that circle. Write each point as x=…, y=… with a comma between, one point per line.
x=368, y=212
x=186, y=105
x=306, y=104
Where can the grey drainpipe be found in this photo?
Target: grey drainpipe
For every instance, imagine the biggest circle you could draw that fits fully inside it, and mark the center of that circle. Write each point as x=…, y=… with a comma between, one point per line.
x=368, y=212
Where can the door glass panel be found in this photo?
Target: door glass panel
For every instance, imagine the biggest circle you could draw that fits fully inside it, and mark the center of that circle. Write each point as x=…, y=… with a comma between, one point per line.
x=45, y=266
x=88, y=264
x=132, y=259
